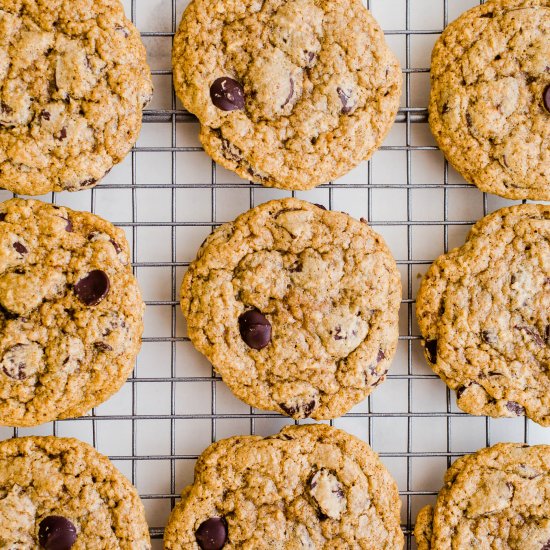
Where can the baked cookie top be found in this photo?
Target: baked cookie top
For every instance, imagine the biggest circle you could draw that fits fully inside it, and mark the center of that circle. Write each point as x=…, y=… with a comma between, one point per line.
x=290, y=93
x=307, y=487
x=490, y=97
x=74, y=80
x=58, y=493
x=495, y=498
x=296, y=307
x=70, y=312
x=484, y=313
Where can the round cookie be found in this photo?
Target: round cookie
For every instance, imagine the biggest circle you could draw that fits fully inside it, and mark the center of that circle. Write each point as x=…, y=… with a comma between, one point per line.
x=59, y=493
x=307, y=487
x=484, y=314
x=490, y=97
x=296, y=307
x=495, y=498
x=289, y=93
x=74, y=82
x=70, y=312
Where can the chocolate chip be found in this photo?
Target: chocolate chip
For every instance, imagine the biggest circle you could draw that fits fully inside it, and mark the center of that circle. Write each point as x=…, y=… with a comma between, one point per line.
x=287, y=100
x=62, y=134
x=68, y=225
x=327, y=492
x=345, y=98
x=230, y=151
x=487, y=15
x=212, y=534
x=460, y=391
x=22, y=249
x=546, y=98
x=2, y=216
x=5, y=108
x=122, y=30
x=102, y=346
x=516, y=408
x=320, y=206
x=56, y=533
x=227, y=94
x=431, y=350
x=489, y=336
x=45, y=115
x=298, y=410
x=534, y=333
x=255, y=329
x=363, y=220
x=92, y=288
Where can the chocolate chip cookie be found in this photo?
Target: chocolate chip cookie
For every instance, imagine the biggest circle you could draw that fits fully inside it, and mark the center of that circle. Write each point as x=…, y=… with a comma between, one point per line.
x=70, y=312
x=296, y=307
x=495, y=498
x=484, y=313
x=307, y=487
x=58, y=493
x=490, y=97
x=74, y=82
x=289, y=93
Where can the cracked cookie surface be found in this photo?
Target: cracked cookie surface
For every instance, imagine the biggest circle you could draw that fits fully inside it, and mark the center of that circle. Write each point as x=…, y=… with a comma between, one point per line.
x=74, y=82
x=70, y=312
x=490, y=99
x=312, y=487
x=69, y=484
x=296, y=307
x=484, y=313
x=495, y=498
x=289, y=93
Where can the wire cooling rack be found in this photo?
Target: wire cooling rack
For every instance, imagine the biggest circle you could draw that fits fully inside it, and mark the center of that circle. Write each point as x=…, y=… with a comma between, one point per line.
x=168, y=195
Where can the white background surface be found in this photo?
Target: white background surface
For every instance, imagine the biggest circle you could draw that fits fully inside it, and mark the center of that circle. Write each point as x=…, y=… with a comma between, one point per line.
x=173, y=407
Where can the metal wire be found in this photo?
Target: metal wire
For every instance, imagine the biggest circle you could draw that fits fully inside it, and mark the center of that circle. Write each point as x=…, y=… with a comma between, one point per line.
x=409, y=115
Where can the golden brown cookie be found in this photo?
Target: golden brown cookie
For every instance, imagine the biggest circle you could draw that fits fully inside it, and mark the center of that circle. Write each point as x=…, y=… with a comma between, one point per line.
x=291, y=93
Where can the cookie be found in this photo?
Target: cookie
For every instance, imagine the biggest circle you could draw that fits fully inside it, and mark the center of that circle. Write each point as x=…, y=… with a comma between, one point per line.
x=307, y=487
x=70, y=312
x=58, y=493
x=296, y=307
x=484, y=314
x=74, y=82
x=490, y=97
x=495, y=498
x=289, y=93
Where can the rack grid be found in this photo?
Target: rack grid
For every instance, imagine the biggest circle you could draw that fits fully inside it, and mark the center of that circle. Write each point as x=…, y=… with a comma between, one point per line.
x=168, y=195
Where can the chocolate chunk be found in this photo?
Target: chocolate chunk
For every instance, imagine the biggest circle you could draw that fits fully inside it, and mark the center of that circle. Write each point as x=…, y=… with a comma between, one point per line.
x=287, y=100
x=227, y=94
x=547, y=335
x=116, y=246
x=255, y=329
x=92, y=288
x=300, y=410
x=431, y=350
x=327, y=492
x=230, y=151
x=534, y=333
x=8, y=315
x=338, y=333
x=212, y=534
x=516, y=408
x=381, y=355
x=102, y=346
x=345, y=98
x=488, y=15
x=45, y=115
x=122, y=30
x=56, y=533
x=62, y=134
x=69, y=225
x=546, y=98
x=5, y=108
x=460, y=391
x=546, y=545
x=469, y=120
x=22, y=360
x=363, y=220
x=489, y=336
x=320, y=206
x=22, y=249
x=311, y=58
x=2, y=216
